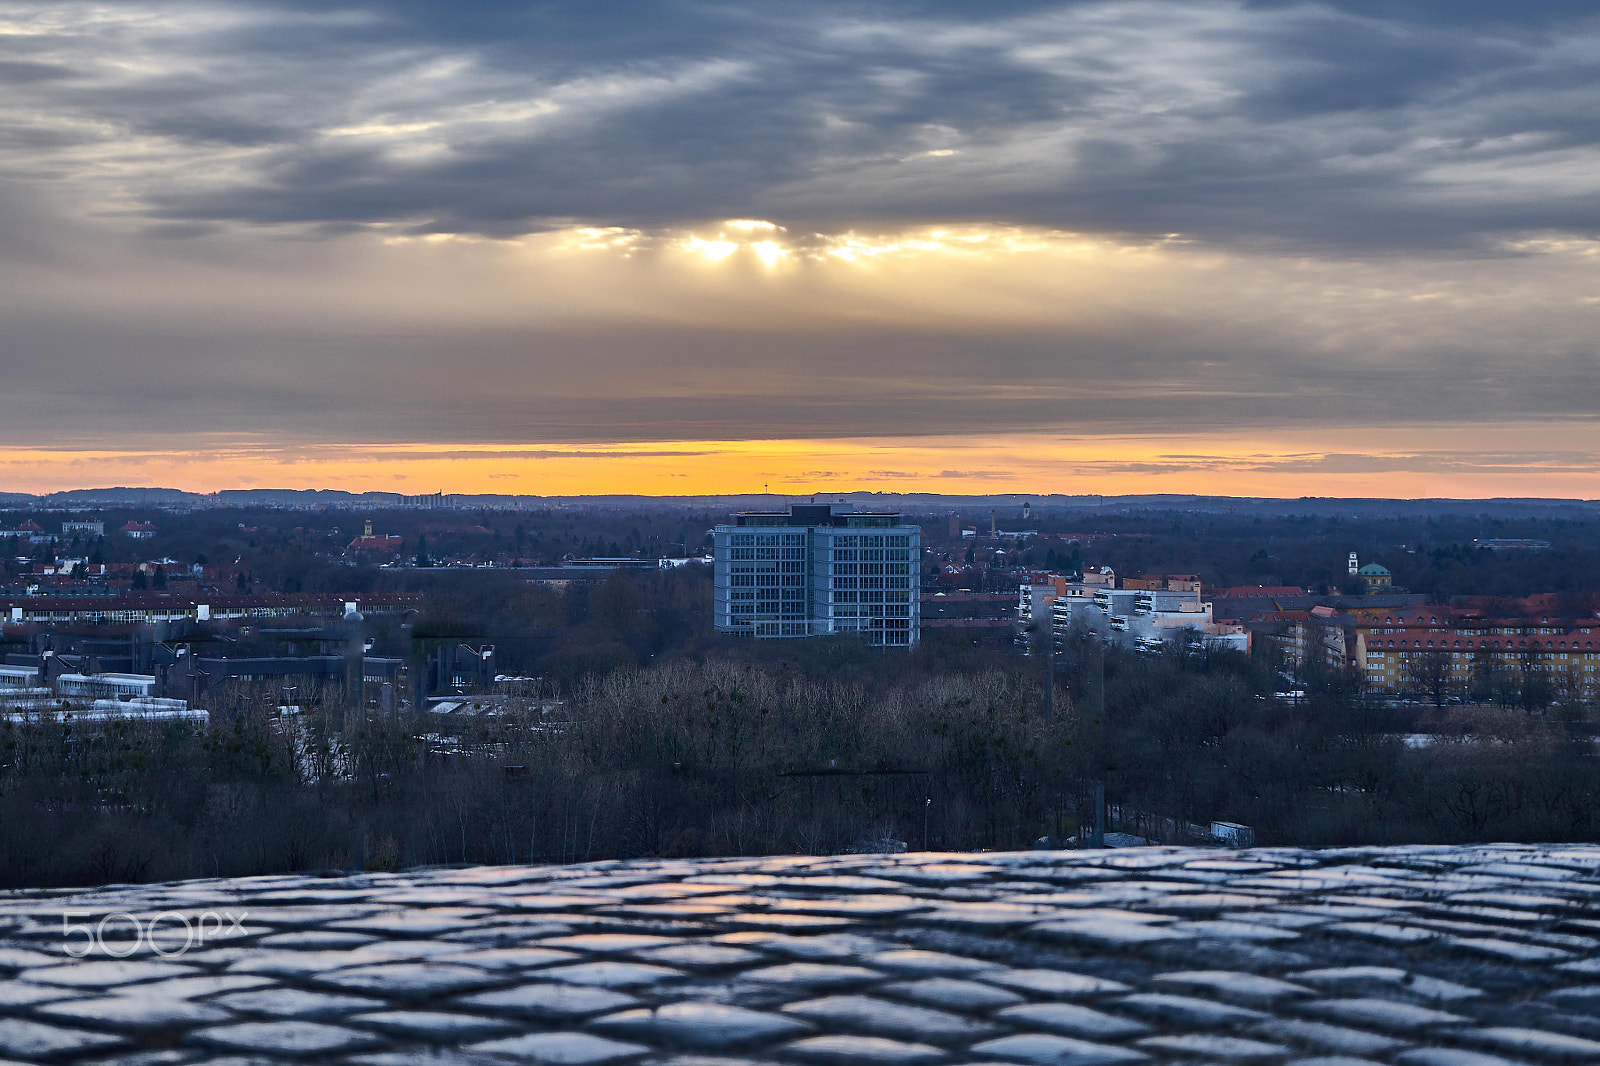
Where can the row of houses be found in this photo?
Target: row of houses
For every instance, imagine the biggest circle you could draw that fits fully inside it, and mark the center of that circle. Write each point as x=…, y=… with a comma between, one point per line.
x=1459, y=649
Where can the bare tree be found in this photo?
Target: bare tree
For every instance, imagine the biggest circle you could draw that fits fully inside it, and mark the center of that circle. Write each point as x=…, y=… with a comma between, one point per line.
x=1428, y=673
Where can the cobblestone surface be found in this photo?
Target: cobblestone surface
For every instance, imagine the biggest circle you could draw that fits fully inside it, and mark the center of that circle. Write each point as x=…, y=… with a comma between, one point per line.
x=1473, y=956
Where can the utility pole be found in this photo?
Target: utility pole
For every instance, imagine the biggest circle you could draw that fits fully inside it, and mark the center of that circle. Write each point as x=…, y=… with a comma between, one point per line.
x=1098, y=838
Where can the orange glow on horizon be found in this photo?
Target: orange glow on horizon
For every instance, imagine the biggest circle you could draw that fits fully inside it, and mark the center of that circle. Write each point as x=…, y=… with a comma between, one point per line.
x=1400, y=463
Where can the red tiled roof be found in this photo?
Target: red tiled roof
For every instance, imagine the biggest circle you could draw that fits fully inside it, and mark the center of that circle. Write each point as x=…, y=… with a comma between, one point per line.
x=1252, y=592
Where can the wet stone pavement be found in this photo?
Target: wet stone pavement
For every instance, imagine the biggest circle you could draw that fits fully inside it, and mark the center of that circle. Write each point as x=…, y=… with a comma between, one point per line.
x=1466, y=956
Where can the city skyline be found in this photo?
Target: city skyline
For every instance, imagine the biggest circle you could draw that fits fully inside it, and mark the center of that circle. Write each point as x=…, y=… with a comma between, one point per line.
x=1222, y=248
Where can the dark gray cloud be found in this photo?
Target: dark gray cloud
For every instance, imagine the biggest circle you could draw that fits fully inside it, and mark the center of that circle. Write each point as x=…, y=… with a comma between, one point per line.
x=146, y=379
x=238, y=221
x=1462, y=462
x=1364, y=125
x=21, y=72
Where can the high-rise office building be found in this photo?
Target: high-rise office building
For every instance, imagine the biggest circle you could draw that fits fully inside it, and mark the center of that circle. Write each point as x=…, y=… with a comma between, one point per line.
x=813, y=570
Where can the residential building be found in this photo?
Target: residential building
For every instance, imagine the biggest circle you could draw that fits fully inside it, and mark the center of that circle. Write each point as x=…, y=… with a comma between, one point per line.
x=1455, y=650
x=138, y=530
x=28, y=530
x=817, y=569
x=1164, y=583
x=1099, y=577
x=1142, y=617
x=1321, y=635
x=94, y=528
x=969, y=610
x=1419, y=650
x=1039, y=593
x=1269, y=610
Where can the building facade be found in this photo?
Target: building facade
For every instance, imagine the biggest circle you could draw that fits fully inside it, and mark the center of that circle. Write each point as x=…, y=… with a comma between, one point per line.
x=1476, y=656
x=1377, y=577
x=1139, y=617
x=1463, y=654
x=1145, y=613
x=815, y=570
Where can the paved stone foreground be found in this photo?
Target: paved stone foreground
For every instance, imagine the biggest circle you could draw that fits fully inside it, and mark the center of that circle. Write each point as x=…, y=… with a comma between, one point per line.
x=1471, y=956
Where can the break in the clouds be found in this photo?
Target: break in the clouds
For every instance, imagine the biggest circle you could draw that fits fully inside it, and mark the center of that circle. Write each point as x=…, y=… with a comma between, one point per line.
x=558, y=223
x=1365, y=126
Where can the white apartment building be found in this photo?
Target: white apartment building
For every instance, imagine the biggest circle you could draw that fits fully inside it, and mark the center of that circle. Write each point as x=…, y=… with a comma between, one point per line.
x=815, y=570
x=1143, y=618
x=1036, y=603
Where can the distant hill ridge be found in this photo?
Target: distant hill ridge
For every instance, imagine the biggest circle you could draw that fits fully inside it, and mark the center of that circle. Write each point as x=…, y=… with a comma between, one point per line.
x=1007, y=504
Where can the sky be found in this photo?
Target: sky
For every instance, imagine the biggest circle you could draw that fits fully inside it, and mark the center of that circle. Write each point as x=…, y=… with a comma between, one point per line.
x=1254, y=248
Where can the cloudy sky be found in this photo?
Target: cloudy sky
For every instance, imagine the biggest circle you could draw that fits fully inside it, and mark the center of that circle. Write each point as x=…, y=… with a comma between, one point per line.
x=1265, y=248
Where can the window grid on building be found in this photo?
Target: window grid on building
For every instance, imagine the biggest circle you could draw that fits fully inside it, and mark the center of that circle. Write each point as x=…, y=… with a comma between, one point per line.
x=822, y=572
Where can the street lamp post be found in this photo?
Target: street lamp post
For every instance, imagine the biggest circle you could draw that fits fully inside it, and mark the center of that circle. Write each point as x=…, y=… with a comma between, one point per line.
x=1097, y=838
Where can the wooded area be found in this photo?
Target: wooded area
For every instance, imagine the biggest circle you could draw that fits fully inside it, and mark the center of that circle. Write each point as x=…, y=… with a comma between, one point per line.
x=810, y=747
